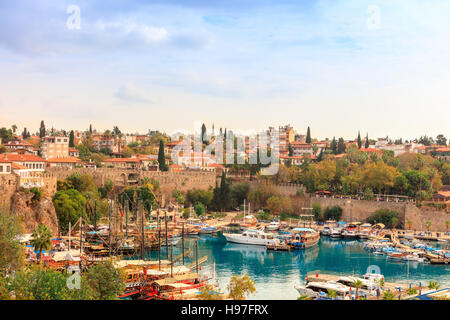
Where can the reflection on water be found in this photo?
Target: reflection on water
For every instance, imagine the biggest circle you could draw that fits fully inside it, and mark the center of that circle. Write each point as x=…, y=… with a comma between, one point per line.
x=276, y=272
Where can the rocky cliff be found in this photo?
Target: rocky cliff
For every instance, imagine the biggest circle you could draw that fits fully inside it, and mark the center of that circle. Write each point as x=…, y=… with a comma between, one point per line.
x=34, y=213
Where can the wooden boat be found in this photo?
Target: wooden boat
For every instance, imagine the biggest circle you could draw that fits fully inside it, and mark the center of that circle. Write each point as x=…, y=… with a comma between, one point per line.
x=304, y=238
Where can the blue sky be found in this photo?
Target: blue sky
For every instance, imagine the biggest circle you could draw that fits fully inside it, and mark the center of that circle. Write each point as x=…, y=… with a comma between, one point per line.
x=142, y=65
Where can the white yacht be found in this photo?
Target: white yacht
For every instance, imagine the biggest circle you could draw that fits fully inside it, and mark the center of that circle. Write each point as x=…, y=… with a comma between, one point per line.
x=318, y=289
x=274, y=225
x=326, y=231
x=336, y=232
x=250, y=236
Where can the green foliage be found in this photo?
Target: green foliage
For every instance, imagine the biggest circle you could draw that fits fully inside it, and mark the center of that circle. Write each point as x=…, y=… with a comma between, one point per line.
x=332, y=213
x=239, y=193
x=143, y=193
x=433, y=285
x=317, y=211
x=40, y=284
x=411, y=291
x=240, y=287
x=82, y=182
x=107, y=283
x=208, y=293
x=199, y=209
x=69, y=206
x=199, y=196
x=37, y=194
x=388, y=295
x=12, y=250
x=178, y=196
x=385, y=216
x=161, y=157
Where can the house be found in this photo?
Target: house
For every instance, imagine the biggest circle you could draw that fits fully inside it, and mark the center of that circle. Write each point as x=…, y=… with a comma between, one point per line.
x=442, y=197
x=27, y=178
x=67, y=162
x=5, y=166
x=55, y=147
x=300, y=148
x=74, y=152
x=20, y=146
x=296, y=160
x=443, y=152
x=32, y=162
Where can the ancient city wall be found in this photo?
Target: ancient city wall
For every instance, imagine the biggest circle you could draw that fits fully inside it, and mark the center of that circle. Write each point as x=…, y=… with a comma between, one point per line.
x=360, y=210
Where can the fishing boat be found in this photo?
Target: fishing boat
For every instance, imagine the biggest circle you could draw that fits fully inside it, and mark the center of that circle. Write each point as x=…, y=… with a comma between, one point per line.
x=336, y=232
x=304, y=238
x=250, y=236
x=364, y=231
x=172, y=241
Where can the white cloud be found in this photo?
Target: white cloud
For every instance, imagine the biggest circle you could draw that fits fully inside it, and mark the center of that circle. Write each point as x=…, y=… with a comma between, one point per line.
x=128, y=93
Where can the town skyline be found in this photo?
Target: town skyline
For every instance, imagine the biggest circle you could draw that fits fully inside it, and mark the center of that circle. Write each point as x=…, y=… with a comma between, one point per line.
x=373, y=66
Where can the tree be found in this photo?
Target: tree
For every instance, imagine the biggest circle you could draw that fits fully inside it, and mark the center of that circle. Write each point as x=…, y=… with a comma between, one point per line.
x=90, y=128
x=388, y=295
x=178, y=196
x=106, y=281
x=239, y=193
x=410, y=223
x=72, y=139
x=41, y=239
x=341, y=146
x=162, y=157
x=308, y=135
x=199, y=209
x=204, y=137
x=69, y=206
x=82, y=182
x=441, y=140
x=367, y=143
x=333, y=213
x=428, y=225
x=208, y=293
x=385, y=216
x=14, y=128
x=332, y=294
x=333, y=146
x=359, y=140
x=42, y=130
x=433, y=285
x=317, y=211
x=12, y=250
x=357, y=284
x=240, y=287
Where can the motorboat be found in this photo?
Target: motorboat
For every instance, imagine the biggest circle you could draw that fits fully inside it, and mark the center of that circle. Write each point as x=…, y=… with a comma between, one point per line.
x=274, y=225
x=319, y=289
x=208, y=230
x=350, y=232
x=336, y=232
x=251, y=236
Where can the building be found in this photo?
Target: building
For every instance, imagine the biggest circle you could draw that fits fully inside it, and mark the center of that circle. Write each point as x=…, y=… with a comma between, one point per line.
x=74, y=152
x=32, y=162
x=67, y=162
x=300, y=148
x=286, y=136
x=20, y=146
x=123, y=163
x=5, y=166
x=55, y=147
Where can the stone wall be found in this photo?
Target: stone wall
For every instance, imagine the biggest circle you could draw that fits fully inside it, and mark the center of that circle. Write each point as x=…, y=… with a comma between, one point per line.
x=169, y=181
x=360, y=210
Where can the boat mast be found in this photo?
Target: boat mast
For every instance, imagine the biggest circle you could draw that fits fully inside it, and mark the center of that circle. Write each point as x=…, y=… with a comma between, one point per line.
x=159, y=241
x=182, y=242
x=70, y=231
x=167, y=242
x=142, y=231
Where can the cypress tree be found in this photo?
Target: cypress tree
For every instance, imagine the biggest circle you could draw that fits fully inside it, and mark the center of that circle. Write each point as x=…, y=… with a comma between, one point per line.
x=71, y=139
x=308, y=136
x=204, y=140
x=224, y=192
x=341, y=146
x=359, y=141
x=334, y=146
x=162, y=157
x=42, y=130
x=90, y=128
x=366, y=145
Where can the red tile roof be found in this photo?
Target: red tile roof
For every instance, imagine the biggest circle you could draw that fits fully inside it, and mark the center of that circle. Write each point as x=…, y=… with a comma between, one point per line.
x=123, y=160
x=21, y=157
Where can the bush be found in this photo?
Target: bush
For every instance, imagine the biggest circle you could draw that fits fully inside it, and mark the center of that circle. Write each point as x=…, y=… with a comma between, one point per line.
x=37, y=194
x=317, y=211
x=385, y=216
x=333, y=213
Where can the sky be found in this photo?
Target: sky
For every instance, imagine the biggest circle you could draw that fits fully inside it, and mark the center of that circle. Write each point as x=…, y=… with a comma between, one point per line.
x=379, y=67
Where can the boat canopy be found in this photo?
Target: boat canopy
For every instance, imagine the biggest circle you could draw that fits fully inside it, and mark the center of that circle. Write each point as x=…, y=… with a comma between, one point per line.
x=182, y=277
x=302, y=230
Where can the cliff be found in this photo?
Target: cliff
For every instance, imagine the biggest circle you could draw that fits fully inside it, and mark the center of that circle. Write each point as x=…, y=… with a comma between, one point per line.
x=33, y=214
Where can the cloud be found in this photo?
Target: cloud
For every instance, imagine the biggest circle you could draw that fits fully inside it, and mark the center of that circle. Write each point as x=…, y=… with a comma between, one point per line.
x=128, y=93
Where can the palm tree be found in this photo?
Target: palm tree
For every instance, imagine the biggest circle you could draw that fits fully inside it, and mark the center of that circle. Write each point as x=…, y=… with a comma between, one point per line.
x=388, y=295
x=357, y=284
x=304, y=297
x=332, y=294
x=42, y=239
x=433, y=285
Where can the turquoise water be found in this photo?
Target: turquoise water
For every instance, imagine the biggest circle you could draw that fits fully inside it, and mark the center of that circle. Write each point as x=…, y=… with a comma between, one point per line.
x=275, y=273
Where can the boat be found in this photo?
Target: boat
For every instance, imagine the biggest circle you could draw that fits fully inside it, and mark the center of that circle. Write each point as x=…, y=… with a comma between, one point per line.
x=304, y=238
x=208, y=230
x=364, y=231
x=274, y=225
x=251, y=236
x=319, y=289
x=351, y=231
x=336, y=232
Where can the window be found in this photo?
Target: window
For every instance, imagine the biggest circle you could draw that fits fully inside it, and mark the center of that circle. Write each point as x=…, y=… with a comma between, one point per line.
x=1, y=168
x=8, y=169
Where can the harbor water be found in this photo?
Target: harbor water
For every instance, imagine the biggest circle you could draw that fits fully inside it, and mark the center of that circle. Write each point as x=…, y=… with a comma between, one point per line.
x=276, y=272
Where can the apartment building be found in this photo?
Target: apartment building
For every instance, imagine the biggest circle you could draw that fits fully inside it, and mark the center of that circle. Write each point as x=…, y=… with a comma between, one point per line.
x=55, y=147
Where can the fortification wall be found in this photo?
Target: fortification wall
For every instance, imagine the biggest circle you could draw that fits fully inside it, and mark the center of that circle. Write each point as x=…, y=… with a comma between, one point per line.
x=360, y=210
x=8, y=186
